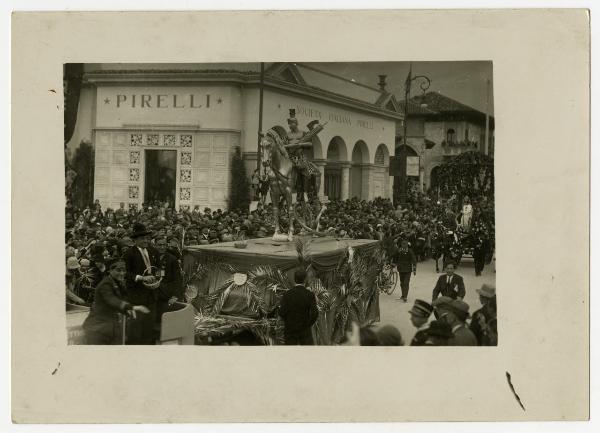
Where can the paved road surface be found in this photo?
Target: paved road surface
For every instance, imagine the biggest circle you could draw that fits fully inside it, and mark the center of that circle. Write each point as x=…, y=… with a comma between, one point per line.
x=395, y=312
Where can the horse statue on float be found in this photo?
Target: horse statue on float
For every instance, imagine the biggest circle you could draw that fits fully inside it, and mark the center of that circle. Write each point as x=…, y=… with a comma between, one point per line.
x=284, y=179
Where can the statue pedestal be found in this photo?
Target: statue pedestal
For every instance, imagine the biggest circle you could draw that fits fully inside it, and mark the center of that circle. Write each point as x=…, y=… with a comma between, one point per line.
x=280, y=237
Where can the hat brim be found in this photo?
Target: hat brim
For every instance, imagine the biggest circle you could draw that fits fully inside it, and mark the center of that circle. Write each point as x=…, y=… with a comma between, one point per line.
x=419, y=313
x=140, y=234
x=485, y=294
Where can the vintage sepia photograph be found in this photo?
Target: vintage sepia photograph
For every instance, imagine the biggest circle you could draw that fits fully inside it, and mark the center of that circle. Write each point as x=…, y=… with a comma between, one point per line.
x=286, y=179
x=280, y=203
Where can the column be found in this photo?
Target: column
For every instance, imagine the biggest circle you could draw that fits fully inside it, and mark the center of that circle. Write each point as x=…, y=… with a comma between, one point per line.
x=345, y=181
x=367, y=185
x=421, y=178
x=320, y=163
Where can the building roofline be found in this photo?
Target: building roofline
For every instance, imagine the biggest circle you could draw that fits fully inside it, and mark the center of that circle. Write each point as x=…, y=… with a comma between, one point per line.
x=227, y=77
x=356, y=83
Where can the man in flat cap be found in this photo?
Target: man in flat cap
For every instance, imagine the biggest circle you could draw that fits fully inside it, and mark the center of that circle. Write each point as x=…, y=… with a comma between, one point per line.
x=455, y=314
x=484, y=322
x=419, y=316
x=102, y=325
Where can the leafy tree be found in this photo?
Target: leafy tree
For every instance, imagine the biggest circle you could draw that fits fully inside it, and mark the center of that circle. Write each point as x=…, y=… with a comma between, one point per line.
x=83, y=165
x=239, y=192
x=470, y=173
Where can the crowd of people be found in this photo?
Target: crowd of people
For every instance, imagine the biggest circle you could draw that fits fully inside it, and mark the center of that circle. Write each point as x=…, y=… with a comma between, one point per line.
x=443, y=322
x=99, y=240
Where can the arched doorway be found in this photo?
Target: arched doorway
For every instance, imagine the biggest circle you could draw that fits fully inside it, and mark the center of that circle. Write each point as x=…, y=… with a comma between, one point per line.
x=380, y=178
x=336, y=153
x=359, y=180
x=434, y=181
x=402, y=153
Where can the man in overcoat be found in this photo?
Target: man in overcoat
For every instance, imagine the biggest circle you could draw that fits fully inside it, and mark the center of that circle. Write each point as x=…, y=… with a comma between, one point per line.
x=142, y=262
x=104, y=323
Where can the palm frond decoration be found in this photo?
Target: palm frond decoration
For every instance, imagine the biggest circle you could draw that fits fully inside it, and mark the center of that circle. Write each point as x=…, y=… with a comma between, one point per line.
x=196, y=274
x=269, y=331
x=325, y=298
x=267, y=277
x=254, y=301
x=302, y=245
x=220, y=296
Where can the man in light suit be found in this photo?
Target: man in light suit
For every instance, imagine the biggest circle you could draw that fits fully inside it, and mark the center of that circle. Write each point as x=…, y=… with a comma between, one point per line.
x=450, y=284
x=138, y=259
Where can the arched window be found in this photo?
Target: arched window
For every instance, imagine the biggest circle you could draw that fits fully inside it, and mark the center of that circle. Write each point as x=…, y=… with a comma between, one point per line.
x=379, y=157
x=450, y=135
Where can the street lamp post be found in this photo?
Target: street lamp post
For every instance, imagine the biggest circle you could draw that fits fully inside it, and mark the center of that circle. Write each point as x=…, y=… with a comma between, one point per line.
x=425, y=83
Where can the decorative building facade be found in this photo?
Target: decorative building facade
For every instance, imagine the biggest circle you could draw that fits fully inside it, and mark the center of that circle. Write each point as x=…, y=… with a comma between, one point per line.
x=439, y=128
x=168, y=134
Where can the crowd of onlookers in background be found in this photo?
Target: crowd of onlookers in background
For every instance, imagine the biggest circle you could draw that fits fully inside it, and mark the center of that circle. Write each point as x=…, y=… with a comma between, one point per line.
x=95, y=237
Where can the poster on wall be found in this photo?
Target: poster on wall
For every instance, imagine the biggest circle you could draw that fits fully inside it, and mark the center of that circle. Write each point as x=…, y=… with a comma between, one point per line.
x=412, y=165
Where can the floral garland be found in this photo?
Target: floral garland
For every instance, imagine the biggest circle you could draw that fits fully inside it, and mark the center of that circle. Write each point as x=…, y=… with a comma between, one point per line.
x=343, y=295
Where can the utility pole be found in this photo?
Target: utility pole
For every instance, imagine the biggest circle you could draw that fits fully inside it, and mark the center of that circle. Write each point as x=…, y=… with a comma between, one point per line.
x=487, y=117
x=260, y=111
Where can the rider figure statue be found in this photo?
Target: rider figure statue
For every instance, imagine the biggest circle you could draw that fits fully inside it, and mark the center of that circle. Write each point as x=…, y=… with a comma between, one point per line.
x=303, y=168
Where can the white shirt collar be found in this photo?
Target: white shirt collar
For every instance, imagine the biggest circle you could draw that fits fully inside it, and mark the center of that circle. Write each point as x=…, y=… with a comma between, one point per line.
x=456, y=327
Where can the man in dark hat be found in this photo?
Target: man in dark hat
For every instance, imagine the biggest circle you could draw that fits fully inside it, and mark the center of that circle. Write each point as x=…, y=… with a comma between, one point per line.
x=102, y=325
x=438, y=303
x=455, y=314
x=450, y=284
x=405, y=261
x=419, y=315
x=438, y=334
x=141, y=261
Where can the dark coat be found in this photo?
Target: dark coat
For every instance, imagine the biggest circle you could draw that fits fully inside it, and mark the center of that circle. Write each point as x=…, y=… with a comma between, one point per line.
x=420, y=338
x=404, y=260
x=298, y=309
x=483, y=326
x=456, y=288
x=102, y=324
x=141, y=330
x=463, y=337
x=172, y=282
x=137, y=292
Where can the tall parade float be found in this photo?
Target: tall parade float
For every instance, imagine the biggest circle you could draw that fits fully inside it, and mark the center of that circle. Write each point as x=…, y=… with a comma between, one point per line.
x=236, y=286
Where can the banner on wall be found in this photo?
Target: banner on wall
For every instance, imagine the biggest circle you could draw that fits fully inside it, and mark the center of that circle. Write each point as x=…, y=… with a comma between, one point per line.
x=412, y=165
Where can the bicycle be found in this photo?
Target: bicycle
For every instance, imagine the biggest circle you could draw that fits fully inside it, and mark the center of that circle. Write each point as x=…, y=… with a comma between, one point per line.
x=387, y=279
